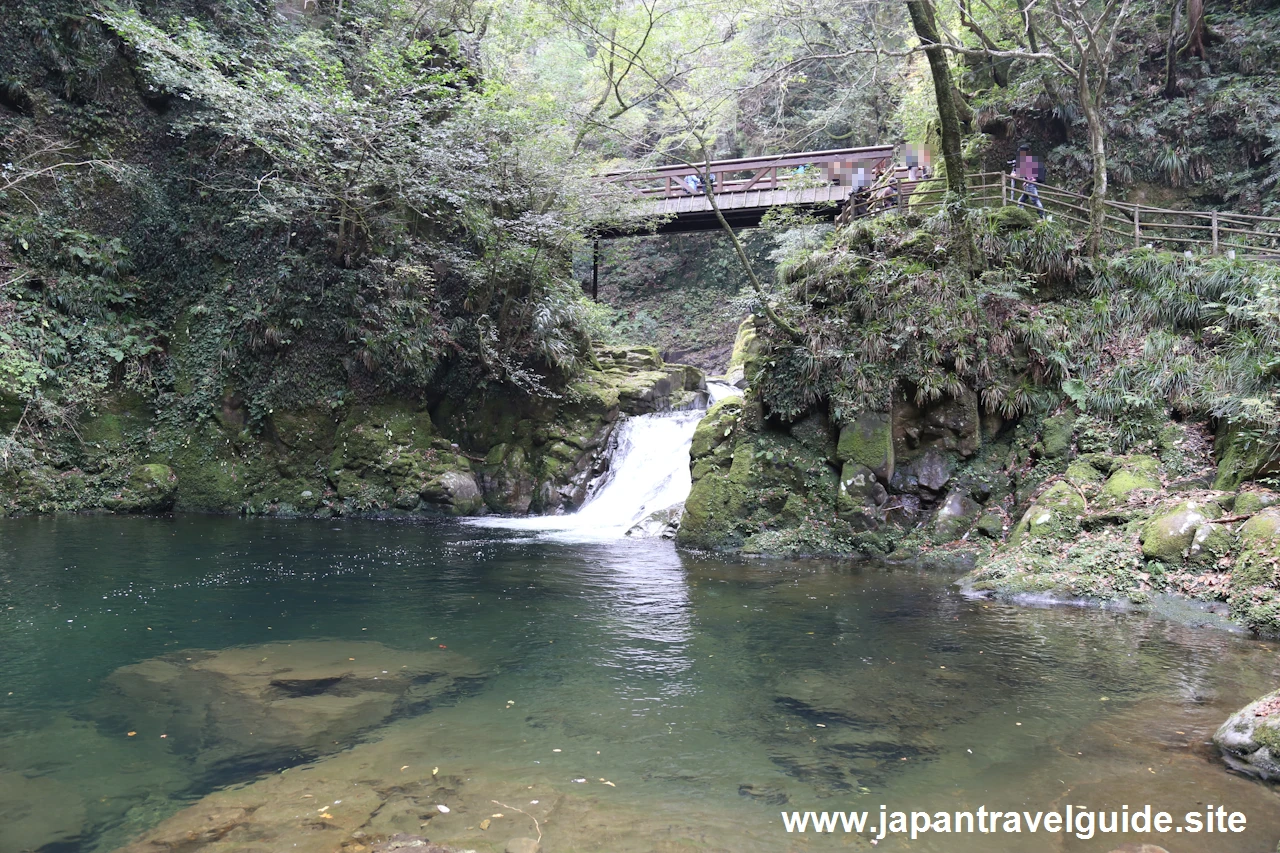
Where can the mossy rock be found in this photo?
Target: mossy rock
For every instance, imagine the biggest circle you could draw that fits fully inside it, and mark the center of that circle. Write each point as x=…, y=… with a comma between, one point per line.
x=1248, y=503
x=1255, y=600
x=990, y=524
x=1084, y=476
x=715, y=428
x=1168, y=534
x=955, y=517
x=1250, y=738
x=1242, y=460
x=1005, y=220
x=816, y=433
x=217, y=474
x=746, y=359
x=867, y=440
x=761, y=491
x=150, y=488
x=1136, y=475
x=1210, y=544
x=1055, y=435
x=1259, y=556
x=1054, y=515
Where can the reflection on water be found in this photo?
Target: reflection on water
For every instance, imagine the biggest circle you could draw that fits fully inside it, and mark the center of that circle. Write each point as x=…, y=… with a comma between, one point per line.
x=708, y=695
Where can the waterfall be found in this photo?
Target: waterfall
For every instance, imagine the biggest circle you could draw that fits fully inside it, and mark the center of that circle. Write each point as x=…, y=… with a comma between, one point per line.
x=648, y=472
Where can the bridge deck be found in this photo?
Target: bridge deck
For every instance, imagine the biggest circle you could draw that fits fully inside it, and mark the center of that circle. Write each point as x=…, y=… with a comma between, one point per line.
x=690, y=213
x=745, y=189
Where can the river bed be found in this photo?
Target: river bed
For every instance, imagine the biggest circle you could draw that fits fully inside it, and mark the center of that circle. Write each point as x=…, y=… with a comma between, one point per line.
x=645, y=699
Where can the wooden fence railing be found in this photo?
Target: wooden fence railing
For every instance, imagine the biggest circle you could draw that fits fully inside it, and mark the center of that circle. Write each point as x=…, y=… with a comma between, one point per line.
x=1125, y=224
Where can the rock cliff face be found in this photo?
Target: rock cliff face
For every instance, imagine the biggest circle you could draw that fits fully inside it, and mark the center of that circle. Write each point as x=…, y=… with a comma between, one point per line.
x=1044, y=504
x=495, y=451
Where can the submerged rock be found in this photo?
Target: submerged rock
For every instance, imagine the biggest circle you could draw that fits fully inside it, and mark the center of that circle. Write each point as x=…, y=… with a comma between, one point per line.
x=1250, y=738
x=276, y=698
x=523, y=845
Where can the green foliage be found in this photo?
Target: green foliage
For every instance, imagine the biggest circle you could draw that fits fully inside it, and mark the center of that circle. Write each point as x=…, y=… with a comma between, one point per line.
x=885, y=312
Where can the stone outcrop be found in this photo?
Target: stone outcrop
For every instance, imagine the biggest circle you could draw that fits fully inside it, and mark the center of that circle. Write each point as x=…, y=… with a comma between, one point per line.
x=1250, y=738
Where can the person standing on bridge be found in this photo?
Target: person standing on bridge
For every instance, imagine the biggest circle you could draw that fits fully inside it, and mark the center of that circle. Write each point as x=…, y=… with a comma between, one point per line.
x=1026, y=168
x=693, y=184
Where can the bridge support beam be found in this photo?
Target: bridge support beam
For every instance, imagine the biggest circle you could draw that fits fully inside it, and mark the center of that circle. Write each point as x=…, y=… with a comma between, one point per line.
x=595, y=269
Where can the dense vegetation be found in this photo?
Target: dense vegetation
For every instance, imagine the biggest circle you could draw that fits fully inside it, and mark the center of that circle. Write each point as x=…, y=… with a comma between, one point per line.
x=213, y=216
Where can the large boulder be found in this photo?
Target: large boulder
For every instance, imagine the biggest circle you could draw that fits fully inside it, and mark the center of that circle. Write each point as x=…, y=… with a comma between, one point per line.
x=867, y=440
x=1169, y=534
x=1055, y=435
x=1242, y=459
x=1255, y=598
x=275, y=698
x=1054, y=515
x=955, y=517
x=1136, y=477
x=932, y=472
x=1250, y=738
x=1247, y=503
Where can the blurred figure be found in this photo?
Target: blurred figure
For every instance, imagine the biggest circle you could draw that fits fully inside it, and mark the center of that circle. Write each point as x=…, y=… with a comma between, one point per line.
x=1028, y=169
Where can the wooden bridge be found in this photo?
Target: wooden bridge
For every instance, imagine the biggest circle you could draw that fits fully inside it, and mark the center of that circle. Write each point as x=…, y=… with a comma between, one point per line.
x=817, y=182
x=844, y=184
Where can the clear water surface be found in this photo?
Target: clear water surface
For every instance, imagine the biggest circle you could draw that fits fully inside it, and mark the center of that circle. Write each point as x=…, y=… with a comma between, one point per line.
x=711, y=694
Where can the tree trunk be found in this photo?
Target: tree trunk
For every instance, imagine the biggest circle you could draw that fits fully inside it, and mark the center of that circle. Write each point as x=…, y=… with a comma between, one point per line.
x=1195, y=29
x=927, y=31
x=1098, y=149
x=1171, y=52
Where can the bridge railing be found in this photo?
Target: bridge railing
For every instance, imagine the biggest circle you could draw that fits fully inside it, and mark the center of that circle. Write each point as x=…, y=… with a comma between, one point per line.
x=838, y=166
x=1125, y=223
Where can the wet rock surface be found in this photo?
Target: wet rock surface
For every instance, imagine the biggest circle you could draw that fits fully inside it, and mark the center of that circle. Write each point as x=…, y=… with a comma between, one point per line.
x=250, y=704
x=1250, y=739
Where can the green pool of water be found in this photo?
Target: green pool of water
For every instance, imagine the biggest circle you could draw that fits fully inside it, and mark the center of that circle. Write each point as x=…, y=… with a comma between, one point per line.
x=712, y=695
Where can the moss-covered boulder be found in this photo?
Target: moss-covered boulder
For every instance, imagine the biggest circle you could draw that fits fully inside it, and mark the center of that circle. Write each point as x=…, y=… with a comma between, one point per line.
x=149, y=488
x=1250, y=738
x=1085, y=476
x=1252, y=501
x=1242, y=459
x=955, y=517
x=867, y=440
x=1255, y=600
x=990, y=524
x=1259, y=557
x=1055, y=435
x=1135, y=477
x=1054, y=515
x=1210, y=544
x=1168, y=534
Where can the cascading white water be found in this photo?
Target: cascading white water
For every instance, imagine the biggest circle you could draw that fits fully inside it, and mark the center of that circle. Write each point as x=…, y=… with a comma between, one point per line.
x=648, y=471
